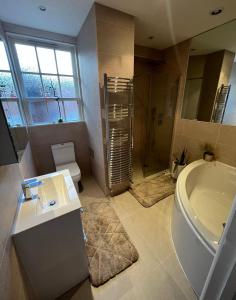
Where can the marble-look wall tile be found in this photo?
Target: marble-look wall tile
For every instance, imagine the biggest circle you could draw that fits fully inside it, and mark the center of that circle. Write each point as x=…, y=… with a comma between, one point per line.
x=195, y=134
x=148, y=53
x=115, y=42
x=11, y=280
x=114, y=39
x=115, y=65
x=89, y=73
x=226, y=153
x=106, y=45
x=113, y=16
x=27, y=164
x=227, y=135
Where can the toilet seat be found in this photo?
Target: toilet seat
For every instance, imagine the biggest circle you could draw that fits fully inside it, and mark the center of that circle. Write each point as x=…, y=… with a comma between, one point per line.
x=73, y=168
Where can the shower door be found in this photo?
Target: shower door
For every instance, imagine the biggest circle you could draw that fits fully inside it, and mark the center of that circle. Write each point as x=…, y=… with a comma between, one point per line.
x=160, y=122
x=158, y=93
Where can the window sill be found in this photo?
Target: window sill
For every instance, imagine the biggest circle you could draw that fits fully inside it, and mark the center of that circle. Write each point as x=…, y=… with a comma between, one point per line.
x=56, y=124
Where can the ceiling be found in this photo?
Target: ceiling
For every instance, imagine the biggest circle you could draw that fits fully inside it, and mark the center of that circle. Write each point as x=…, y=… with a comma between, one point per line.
x=220, y=38
x=169, y=21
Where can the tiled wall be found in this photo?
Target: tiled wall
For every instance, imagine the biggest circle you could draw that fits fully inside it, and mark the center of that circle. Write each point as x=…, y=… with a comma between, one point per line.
x=115, y=46
x=105, y=45
x=115, y=42
x=27, y=163
x=11, y=282
x=148, y=53
x=42, y=137
x=191, y=133
x=88, y=61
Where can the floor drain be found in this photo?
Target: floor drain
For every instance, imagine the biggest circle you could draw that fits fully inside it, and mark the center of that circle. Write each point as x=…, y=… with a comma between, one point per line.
x=52, y=202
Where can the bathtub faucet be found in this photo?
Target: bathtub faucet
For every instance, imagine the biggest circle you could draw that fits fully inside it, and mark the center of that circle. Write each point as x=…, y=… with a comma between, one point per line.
x=26, y=188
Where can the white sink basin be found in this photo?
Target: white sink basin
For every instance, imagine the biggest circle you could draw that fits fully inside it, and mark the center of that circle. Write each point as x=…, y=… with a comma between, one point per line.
x=56, y=196
x=49, y=239
x=52, y=194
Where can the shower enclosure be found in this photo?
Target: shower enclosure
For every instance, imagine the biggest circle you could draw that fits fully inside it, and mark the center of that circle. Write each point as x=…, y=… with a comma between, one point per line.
x=155, y=95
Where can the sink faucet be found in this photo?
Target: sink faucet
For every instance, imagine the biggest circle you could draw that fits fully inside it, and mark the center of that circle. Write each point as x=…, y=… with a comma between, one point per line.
x=26, y=188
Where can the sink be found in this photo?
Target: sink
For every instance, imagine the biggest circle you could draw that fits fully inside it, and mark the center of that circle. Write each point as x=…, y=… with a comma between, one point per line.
x=49, y=237
x=56, y=196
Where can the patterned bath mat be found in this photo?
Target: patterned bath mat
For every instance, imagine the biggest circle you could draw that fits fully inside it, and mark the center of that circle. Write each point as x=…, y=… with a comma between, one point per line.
x=150, y=191
x=108, y=246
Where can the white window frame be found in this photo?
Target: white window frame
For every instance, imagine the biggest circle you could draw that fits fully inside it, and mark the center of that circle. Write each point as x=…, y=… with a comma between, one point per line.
x=18, y=97
x=15, y=38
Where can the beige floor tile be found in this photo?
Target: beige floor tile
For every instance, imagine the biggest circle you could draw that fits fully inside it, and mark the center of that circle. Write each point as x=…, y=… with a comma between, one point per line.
x=154, y=284
x=157, y=274
x=173, y=268
x=125, y=205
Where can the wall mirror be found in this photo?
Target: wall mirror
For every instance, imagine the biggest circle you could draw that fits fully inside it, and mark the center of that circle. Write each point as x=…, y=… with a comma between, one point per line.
x=210, y=90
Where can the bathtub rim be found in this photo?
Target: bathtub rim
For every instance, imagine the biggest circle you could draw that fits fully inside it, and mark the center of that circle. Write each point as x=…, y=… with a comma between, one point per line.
x=206, y=235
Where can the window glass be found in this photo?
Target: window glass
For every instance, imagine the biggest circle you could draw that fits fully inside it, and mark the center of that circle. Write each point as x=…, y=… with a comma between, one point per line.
x=64, y=62
x=33, y=85
x=72, y=110
x=38, y=111
x=51, y=86
x=55, y=111
x=48, y=73
x=8, y=93
x=67, y=87
x=47, y=61
x=7, y=88
x=27, y=58
x=4, y=65
x=12, y=112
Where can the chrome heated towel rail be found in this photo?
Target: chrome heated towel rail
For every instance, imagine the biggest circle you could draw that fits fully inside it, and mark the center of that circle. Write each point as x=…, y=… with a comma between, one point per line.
x=119, y=132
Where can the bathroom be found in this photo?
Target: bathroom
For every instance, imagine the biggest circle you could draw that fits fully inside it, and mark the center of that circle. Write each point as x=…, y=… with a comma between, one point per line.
x=101, y=106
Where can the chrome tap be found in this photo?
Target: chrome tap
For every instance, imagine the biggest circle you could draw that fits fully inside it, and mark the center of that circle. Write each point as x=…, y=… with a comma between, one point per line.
x=26, y=188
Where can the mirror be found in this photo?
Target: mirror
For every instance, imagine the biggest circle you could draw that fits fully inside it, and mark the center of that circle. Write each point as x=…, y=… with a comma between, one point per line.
x=210, y=90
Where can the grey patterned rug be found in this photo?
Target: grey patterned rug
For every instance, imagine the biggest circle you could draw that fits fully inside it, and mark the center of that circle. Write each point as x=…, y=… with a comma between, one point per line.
x=150, y=191
x=108, y=246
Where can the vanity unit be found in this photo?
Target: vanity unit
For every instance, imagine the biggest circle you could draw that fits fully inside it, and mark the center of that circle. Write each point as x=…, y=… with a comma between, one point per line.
x=49, y=238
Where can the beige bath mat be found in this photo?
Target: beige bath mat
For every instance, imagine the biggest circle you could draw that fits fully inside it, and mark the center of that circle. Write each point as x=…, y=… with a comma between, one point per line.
x=150, y=191
x=108, y=246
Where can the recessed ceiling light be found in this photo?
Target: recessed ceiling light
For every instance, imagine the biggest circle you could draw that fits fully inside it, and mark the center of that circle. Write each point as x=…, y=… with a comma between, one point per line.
x=216, y=11
x=151, y=37
x=42, y=8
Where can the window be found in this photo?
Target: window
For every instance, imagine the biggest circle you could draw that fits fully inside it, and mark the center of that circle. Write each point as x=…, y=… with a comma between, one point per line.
x=49, y=82
x=8, y=95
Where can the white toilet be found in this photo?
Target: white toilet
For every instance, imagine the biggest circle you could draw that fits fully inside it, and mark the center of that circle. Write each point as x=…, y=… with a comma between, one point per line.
x=64, y=158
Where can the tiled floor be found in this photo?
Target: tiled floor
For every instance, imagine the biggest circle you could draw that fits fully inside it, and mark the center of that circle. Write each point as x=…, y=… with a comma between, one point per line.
x=157, y=274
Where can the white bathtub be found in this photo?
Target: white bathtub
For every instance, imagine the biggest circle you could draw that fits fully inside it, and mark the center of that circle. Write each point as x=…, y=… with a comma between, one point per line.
x=203, y=198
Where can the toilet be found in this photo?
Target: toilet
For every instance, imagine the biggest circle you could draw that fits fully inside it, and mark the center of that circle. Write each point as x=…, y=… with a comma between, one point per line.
x=64, y=158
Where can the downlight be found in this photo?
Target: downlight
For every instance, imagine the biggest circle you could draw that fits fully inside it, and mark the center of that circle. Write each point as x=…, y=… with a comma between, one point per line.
x=42, y=8
x=216, y=11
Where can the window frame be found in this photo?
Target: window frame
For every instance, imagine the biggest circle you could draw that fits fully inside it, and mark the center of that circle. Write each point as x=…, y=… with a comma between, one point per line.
x=37, y=42
x=11, y=71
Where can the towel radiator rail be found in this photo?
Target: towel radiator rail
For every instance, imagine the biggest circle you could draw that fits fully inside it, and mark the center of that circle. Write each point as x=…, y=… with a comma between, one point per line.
x=118, y=103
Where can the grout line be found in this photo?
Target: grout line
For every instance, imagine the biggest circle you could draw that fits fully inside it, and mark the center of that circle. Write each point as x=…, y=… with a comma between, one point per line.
x=218, y=135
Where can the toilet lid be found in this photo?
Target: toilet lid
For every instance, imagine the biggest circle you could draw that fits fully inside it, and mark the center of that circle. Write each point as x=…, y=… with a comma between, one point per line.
x=72, y=167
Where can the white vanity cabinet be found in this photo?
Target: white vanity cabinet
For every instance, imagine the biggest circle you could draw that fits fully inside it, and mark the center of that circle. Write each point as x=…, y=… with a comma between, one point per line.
x=49, y=240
